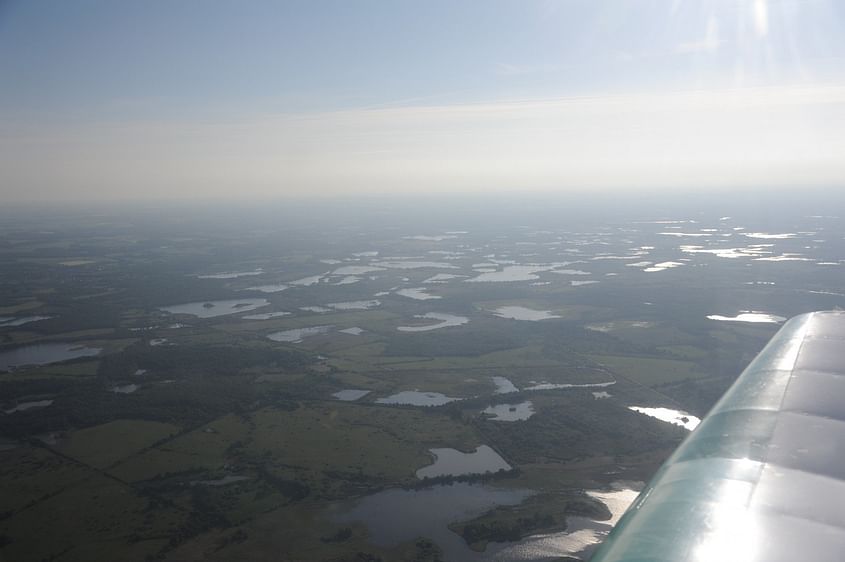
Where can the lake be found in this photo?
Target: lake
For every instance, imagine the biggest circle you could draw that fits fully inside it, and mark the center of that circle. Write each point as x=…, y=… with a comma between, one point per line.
x=394, y=516
x=210, y=309
x=451, y=462
x=580, y=538
x=44, y=354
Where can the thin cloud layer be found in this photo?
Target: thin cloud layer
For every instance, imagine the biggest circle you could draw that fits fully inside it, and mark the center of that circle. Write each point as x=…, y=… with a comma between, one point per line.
x=747, y=137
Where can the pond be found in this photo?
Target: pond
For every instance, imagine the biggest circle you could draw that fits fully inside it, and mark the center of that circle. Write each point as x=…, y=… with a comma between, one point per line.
x=355, y=305
x=445, y=321
x=296, y=335
x=523, y=313
x=618, y=325
x=265, y=315
x=397, y=264
x=571, y=272
x=232, y=274
x=125, y=388
x=417, y=398
x=315, y=309
x=23, y=406
x=511, y=273
x=350, y=395
x=9, y=322
x=510, y=412
x=663, y=266
x=442, y=278
x=751, y=317
x=430, y=238
x=220, y=481
x=307, y=281
x=356, y=270
x=452, y=462
x=668, y=415
x=276, y=288
x=44, y=354
x=554, y=386
x=504, y=385
x=210, y=309
x=416, y=293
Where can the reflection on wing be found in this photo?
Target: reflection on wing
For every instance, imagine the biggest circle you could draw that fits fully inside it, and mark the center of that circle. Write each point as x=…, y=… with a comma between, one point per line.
x=763, y=476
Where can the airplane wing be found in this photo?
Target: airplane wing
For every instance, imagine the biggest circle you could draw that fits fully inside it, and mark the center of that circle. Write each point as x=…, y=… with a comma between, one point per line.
x=762, y=478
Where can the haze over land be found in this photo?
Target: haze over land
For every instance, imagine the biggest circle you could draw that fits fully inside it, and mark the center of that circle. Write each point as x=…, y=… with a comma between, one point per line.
x=142, y=358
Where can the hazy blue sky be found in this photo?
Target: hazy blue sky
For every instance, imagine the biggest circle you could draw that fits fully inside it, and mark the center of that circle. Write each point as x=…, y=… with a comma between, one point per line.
x=180, y=98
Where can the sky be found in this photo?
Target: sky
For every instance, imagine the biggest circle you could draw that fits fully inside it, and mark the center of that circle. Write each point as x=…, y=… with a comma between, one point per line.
x=122, y=100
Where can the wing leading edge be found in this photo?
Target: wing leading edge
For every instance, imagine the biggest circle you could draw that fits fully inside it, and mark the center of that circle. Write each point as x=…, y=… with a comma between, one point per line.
x=762, y=478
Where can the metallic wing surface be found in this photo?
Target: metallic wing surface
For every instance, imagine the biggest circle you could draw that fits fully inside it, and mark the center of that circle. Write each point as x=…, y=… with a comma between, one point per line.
x=762, y=478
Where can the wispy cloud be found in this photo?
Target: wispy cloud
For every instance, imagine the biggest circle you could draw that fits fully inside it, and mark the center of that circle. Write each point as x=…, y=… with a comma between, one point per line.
x=507, y=69
x=709, y=44
x=760, y=10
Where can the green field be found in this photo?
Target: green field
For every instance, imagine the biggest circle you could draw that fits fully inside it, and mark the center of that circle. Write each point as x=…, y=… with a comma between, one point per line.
x=203, y=448
x=94, y=519
x=104, y=445
x=650, y=371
